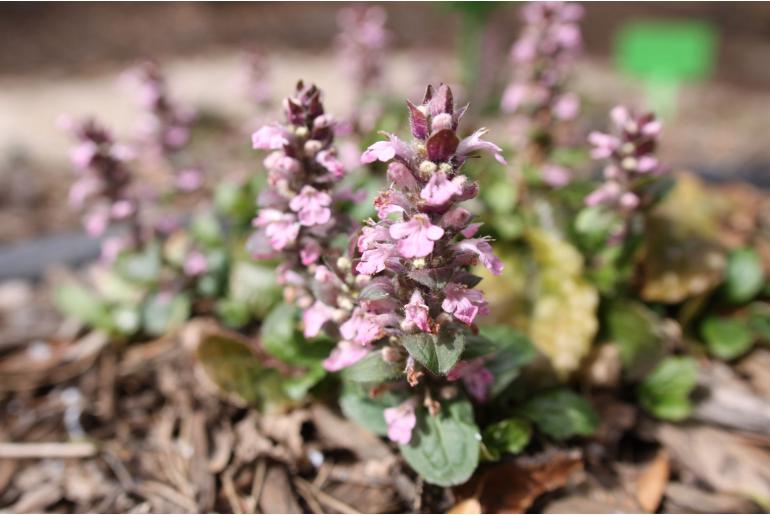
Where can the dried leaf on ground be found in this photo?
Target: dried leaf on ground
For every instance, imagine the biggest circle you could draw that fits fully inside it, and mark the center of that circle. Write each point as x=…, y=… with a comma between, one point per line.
x=513, y=486
x=726, y=461
x=652, y=482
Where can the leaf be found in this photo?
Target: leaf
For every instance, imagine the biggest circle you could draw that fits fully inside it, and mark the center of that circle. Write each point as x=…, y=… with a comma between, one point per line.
x=514, y=485
x=564, y=320
x=143, y=266
x=511, y=350
x=444, y=448
x=593, y=226
x=206, y=229
x=726, y=338
x=441, y=145
x=682, y=255
x=163, y=313
x=759, y=321
x=255, y=286
x=636, y=330
x=418, y=122
x=561, y=414
x=665, y=392
x=438, y=353
x=372, y=369
x=365, y=410
x=297, y=387
x=281, y=338
x=78, y=302
x=507, y=436
x=744, y=277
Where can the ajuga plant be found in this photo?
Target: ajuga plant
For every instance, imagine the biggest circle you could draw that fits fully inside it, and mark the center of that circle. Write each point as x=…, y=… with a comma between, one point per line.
x=362, y=45
x=537, y=97
x=165, y=125
x=161, y=262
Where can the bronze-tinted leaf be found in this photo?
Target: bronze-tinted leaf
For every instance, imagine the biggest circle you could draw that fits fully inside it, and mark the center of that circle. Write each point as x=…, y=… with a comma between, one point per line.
x=442, y=144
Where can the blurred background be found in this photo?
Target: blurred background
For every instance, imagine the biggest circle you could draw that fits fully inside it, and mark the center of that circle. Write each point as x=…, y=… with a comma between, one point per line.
x=67, y=59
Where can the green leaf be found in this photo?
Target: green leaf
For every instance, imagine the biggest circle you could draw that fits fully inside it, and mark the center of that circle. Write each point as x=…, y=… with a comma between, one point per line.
x=255, y=286
x=759, y=321
x=561, y=414
x=206, y=229
x=727, y=338
x=234, y=201
x=143, y=266
x=665, y=393
x=233, y=313
x=126, y=319
x=593, y=226
x=78, y=302
x=444, y=448
x=511, y=350
x=234, y=368
x=366, y=411
x=635, y=329
x=744, y=276
x=282, y=339
x=507, y=436
x=372, y=369
x=297, y=387
x=438, y=353
x=162, y=313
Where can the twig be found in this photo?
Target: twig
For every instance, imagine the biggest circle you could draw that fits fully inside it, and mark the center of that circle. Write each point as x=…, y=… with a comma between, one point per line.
x=332, y=502
x=11, y=450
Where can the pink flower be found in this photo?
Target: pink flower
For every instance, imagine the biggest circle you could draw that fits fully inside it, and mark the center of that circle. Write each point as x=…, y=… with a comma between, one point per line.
x=82, y=154
x=566, y=106
x=416, y=236
x=81, y=190
x=401, y=421
x=96, y=222
x=513, y=97
x=311, y=206
x=607, y=193
x=555, y=175
x=402, y=177
x=189, y=180
x=474, y=143
x=329, y=160
x=310, y=252
x=416, y=312
x=373, y=260
x=440, y=190
x=111, y=249
x=463, y=303
x=281, y=229
x=371, y=235
x=484, y=251
x=386, y=150
x=195, y=264
x=604, y=144
x=362, y=328
x=315, y=317
x=476, y=377
x=344, y=355
x=270, y=137
x=122, y=209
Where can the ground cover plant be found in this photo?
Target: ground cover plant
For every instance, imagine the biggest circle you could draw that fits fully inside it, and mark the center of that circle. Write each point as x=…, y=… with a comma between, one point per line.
x=471, y=296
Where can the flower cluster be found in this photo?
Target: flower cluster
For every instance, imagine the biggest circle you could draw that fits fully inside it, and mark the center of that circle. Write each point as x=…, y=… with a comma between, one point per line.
x=543, y=57
x=166, y=125
x=362, y=43
x=103, y=190
x=297, y=220
x=413, y=262
x=630, y=154
x=256, y=84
